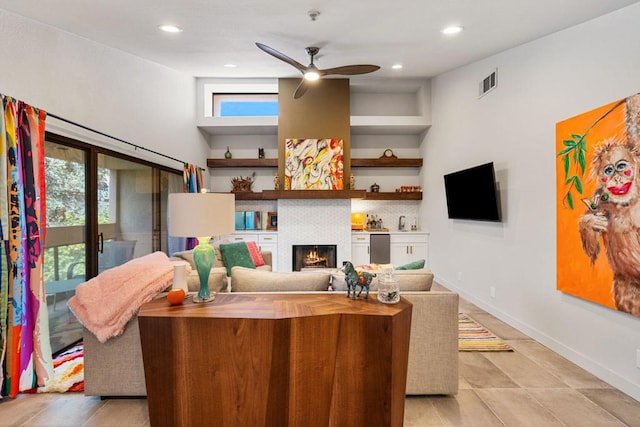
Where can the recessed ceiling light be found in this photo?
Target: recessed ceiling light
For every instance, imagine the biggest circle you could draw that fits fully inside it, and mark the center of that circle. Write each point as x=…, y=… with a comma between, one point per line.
x=170, y=28
x=396, y=66
x=454, y=29
x=229, y=65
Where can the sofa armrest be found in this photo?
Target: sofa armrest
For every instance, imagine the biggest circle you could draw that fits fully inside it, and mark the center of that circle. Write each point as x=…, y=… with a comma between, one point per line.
x=433, y=352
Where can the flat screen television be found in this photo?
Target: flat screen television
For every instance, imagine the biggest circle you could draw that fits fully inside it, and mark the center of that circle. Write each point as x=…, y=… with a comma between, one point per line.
x=472, y=194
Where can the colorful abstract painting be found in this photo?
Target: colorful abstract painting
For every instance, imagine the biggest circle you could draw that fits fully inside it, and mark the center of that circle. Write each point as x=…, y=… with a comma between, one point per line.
x=313, y=164
x=598, y=205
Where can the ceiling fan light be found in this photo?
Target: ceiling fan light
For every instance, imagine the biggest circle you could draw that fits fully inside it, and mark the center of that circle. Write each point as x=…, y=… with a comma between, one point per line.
x=311, y=75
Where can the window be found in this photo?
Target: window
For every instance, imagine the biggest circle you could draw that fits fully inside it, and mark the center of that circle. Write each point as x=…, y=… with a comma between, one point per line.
x=244, y=104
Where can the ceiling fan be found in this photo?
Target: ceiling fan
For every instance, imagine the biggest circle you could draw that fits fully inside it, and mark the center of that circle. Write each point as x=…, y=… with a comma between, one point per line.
x=311, y=72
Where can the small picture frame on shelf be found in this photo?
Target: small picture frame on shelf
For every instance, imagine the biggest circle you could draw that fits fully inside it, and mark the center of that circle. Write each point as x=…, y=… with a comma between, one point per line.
x=272, y=220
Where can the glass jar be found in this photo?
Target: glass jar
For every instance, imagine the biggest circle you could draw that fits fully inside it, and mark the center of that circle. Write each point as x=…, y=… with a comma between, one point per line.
x=388, y=288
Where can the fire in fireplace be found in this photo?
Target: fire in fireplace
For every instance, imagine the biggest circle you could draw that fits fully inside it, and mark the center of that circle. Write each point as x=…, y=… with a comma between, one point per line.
x=313, y=256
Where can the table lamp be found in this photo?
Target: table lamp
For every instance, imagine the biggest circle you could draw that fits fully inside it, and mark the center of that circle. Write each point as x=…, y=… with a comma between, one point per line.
x=201, y=215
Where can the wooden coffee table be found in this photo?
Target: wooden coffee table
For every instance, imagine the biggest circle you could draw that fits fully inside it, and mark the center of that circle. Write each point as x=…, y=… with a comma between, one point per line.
x=270, y=359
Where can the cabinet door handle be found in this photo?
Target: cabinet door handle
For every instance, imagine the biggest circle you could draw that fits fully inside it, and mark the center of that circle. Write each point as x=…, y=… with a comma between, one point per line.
x=367, y=250
x=237, y=238
x=406, y=249
x=268, y=238
x=360, y=238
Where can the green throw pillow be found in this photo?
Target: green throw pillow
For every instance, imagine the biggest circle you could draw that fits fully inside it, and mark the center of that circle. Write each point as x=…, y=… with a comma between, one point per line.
x=415, y=265
x=236, y=254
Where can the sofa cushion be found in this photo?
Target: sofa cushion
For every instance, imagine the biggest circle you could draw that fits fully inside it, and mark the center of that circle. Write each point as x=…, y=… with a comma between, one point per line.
x=414, y=265
x=252, y=280
x=254, y=251
x=236, y=254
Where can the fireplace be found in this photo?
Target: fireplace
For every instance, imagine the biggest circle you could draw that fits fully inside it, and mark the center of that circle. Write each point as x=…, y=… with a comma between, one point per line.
x=313, y=256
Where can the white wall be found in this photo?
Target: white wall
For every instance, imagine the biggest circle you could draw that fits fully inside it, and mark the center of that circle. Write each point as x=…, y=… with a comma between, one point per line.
x=103, y=88
x=539, y=84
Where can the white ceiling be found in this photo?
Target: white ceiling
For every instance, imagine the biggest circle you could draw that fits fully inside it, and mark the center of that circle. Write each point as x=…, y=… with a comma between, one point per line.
x=218, y=32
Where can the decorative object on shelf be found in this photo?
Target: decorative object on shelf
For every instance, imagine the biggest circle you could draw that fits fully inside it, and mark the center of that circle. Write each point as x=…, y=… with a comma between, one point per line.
x=314, y=164
x=201, y=215
x=375, y=188
x=227, y=154
x=272, y=220
x=388, y=288
x=261, y=153
x=409, y=189
x=355, y=278
x=276, y=182
x=352, y=182
x=242, y=184
x=388, y=154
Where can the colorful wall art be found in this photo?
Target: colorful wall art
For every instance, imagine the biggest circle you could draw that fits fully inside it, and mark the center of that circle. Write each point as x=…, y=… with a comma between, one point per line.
x=313, y=164
x=598, y=205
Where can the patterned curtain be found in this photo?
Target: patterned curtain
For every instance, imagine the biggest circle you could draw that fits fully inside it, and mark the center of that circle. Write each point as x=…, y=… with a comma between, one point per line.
x=191, y=183
x=25, y=352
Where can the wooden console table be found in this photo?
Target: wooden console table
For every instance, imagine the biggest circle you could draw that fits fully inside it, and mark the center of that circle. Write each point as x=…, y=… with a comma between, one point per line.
x=309, y=359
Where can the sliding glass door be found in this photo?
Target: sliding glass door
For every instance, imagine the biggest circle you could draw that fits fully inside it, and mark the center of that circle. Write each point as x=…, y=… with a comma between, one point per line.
x=126, y=210
x=103, y=209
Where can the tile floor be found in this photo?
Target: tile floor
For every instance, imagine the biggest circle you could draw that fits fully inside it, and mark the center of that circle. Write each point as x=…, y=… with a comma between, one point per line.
x=531, y=386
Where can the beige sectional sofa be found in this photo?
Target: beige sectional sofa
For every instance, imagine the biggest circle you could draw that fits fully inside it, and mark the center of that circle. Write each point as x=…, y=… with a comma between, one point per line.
x=115, y=368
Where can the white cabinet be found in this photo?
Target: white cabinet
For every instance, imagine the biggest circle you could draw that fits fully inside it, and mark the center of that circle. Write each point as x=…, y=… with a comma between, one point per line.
x=233, y=238
x=360, y=249
x=408, y=247
x=269, y=242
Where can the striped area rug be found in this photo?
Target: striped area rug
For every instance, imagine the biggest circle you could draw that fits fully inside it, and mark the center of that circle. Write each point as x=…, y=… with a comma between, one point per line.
x=472, y=336
x=68, y=371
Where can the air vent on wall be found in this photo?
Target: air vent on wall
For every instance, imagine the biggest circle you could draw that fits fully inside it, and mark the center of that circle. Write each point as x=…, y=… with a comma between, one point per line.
x=488, y=83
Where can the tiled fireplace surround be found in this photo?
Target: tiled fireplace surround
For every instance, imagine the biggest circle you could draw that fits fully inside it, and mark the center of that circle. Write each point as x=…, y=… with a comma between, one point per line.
x=326, y=222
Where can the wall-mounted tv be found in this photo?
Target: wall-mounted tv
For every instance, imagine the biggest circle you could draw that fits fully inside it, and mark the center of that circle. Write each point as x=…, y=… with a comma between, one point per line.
x=472, y=194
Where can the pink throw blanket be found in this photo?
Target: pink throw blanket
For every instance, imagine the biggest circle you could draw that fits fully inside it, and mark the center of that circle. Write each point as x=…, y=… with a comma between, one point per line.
x=107, y=302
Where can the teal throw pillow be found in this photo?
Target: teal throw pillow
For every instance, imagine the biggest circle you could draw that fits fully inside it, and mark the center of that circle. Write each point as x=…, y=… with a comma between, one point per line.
x=236, y=254
x=415, y=265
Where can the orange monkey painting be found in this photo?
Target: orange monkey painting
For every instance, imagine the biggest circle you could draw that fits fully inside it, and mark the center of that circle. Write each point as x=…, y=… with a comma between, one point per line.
x=612, y=217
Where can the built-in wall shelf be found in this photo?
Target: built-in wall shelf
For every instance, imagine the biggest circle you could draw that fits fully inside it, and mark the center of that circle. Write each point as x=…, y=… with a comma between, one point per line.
x=327, y=194
x=271, y=163
x=404, y=195
x=250, y=195
x=239, y=125
x=386, y=162
x=360, y=125
x=242, y=163
x=313, y=194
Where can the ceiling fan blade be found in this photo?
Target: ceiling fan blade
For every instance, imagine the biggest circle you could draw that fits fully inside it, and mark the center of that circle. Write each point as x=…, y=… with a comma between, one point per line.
x=281, y=56
x=349, y=70
x=302, y=88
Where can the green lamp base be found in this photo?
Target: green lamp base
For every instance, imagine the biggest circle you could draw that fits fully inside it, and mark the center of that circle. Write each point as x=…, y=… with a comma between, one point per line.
x=203, y=256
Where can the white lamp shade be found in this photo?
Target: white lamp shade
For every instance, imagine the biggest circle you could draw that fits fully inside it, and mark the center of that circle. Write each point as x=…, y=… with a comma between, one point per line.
x=201, y=214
